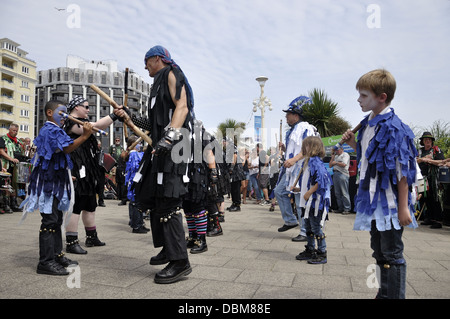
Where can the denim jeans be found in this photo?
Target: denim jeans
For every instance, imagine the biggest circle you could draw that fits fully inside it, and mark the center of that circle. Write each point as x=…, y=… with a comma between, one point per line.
x=314, y=232
x=255, y=184
x=136, y=218
x=388, y=252
x=284, y=202
x=340, y=184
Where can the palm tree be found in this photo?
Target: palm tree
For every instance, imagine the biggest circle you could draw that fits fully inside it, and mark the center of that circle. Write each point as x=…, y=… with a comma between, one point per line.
x=320, y=112
x=232, y=126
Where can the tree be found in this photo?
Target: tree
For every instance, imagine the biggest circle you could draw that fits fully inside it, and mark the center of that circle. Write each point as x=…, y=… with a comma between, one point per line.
x=237, y=129
x=321, y=112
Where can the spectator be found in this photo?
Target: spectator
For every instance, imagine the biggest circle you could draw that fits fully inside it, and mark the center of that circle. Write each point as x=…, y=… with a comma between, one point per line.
x=254, y=169
x=263, y=174
x=340, y=162
x=427, y=154
x=9, y=160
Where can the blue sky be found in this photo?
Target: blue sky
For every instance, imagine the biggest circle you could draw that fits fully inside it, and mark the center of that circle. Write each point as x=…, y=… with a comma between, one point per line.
x=223, y=45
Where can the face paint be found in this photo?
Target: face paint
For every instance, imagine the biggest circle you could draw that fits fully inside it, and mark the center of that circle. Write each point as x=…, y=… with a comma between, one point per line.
x=59, y=119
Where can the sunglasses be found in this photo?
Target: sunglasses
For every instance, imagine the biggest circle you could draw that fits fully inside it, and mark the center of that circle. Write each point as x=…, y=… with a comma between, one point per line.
x=85, y=106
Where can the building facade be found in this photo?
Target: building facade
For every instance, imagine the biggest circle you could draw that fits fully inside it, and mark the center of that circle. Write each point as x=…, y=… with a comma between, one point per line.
x=75, y=79
x=17, y=89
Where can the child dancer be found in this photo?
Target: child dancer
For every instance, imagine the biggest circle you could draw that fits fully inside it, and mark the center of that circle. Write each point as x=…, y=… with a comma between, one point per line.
x=315, y=199
x=387, y=158
x=135, y=212
x=51, y=189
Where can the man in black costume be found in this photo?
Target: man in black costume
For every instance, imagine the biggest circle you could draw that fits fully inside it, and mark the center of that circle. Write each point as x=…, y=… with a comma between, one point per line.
x=163, y=181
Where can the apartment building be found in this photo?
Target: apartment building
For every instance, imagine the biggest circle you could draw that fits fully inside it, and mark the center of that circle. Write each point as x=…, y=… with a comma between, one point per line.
x=17, y=89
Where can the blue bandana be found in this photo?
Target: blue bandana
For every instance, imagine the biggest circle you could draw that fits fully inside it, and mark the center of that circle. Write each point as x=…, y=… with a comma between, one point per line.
x=297, y=104
x=167, y=59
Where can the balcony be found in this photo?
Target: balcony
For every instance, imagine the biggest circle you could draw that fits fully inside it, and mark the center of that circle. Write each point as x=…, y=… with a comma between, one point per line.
x=7, y=100
x=6, y=116
x=8, y=84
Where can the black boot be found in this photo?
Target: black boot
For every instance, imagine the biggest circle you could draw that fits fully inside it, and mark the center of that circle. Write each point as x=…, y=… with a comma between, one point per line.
x=92, y=239
x=13, y=204
x=47, y=264
x=200, y=245
x=5, y=205
x=64, y=261
x=173, y=272
x=159, y=259
x=215, y=229
x=190, y=241
x=73, y=245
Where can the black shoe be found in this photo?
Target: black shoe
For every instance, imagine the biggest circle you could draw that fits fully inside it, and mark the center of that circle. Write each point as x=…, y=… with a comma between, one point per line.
x=65, y=262
x=73, y=246
x=286, y=227
x=173, y=272
x=190, y=241
x=92, y=239
x=318, y=258
x=122, y=203
x=200, y=245
x=307, y=254
x=140, y=230
x=436, y=225
x=159, y=259
x=51, y=268
x=101, y=204
x=426, y=222
x=235, y=209
x=299, y=238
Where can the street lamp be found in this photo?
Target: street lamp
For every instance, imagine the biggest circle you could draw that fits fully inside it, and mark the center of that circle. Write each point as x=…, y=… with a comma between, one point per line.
x=262, y=103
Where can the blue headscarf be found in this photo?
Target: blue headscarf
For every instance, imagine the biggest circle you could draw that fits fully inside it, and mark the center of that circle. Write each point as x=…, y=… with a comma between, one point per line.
x=166, y=58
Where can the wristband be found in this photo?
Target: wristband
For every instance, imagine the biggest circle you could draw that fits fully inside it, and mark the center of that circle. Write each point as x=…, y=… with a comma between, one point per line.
x=113, y=116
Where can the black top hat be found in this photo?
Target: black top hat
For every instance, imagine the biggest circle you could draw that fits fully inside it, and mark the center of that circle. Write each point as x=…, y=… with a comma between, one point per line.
x=426, y=135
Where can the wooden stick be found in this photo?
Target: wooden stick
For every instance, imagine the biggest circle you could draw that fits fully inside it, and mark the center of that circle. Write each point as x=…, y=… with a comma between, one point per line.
x=342, y=142
x=126, y=118
x=125, y=102
x=73, y=119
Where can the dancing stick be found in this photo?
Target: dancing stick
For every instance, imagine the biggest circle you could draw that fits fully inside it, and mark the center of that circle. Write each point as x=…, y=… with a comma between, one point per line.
x=356, y=129
x=126, y=118
x=73, y=119
x=125, y=102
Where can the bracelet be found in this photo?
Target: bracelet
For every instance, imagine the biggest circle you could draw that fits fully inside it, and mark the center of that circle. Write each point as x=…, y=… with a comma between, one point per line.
x=113, y=116
x=173, y=134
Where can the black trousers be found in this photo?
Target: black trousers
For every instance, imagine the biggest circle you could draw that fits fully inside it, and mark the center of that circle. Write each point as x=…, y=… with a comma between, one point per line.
x=236, y=192
x=168, y=232
x=50, y=237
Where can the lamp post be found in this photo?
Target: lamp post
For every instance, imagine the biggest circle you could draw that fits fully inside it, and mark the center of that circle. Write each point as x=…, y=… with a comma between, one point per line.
x=262, y=103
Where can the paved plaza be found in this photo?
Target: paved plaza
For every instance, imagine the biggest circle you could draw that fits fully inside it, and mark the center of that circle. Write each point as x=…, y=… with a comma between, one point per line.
x=252, y=260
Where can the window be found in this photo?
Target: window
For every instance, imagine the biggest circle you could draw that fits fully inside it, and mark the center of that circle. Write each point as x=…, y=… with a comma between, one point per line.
x=25, y=84
x=24, y=128
x=25, y=98
x=25, y=69
x=25, y=113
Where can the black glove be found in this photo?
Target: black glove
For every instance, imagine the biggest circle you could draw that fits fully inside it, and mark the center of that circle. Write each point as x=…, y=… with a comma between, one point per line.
x=127, y=110
x=165, y=144
x=213, y=178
